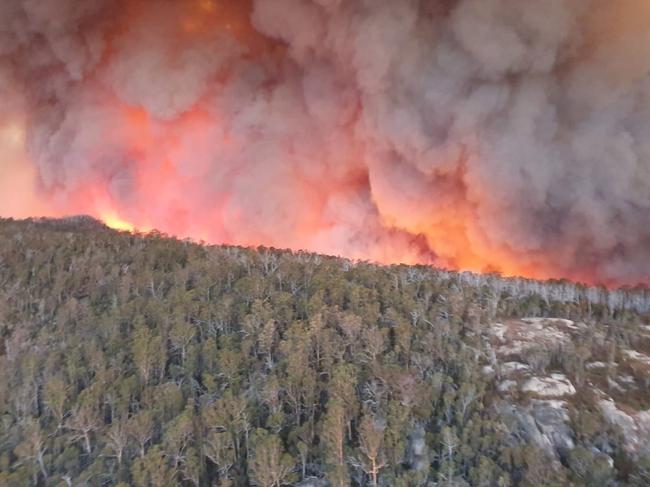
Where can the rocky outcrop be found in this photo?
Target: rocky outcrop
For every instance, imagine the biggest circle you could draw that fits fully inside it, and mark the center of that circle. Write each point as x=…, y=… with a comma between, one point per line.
x=552, y=420
x=555, y=385
x=635, y=427
x=542, y=423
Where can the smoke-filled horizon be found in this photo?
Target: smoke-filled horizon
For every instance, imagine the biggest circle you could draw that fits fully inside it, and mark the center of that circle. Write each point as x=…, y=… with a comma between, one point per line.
x=501, y=135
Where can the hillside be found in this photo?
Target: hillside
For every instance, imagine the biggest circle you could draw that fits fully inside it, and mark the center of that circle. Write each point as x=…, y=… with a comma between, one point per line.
x=142, y=360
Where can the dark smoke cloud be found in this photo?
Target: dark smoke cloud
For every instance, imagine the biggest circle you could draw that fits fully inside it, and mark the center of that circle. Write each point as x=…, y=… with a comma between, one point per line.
x=468, y=132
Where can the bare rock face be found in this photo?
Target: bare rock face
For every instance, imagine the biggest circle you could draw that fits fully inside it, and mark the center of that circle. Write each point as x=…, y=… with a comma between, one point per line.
x=555, y=385
x=638, y=357
x=552, y=420
x=507, y=385
x=543, y=423
x=634, y=426
x=515, y=337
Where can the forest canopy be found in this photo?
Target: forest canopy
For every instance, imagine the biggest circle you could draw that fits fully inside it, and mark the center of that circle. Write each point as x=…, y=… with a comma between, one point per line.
x=143, y=360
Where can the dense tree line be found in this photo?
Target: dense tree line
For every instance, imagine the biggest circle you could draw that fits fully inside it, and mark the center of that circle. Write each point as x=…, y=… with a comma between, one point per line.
x=143, y=360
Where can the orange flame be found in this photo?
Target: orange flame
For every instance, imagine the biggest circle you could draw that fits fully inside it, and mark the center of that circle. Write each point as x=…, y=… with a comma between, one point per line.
x=112, y=220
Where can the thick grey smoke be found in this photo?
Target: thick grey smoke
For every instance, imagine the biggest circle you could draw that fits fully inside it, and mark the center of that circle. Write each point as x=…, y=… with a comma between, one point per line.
x=487, y=134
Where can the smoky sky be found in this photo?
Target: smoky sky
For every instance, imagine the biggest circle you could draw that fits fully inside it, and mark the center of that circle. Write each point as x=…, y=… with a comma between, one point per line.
x=508, y=135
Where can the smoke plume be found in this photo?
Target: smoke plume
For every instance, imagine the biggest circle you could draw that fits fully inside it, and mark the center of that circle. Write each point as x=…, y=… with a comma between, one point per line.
x=502, y=135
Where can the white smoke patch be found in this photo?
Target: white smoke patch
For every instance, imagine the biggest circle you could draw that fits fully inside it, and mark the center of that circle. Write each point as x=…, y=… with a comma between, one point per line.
x=460, y=132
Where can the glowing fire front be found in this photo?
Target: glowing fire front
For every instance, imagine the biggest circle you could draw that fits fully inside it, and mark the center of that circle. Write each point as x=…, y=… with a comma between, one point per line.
x=116, y=223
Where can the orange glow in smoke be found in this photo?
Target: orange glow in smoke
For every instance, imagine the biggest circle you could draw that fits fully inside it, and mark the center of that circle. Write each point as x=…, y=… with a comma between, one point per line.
x=172, y=163
x=161, y=188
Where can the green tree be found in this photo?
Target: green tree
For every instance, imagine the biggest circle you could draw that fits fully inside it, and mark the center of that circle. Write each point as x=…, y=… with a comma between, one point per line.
x=153, y=470
x=333, y=434
x=270, y=465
